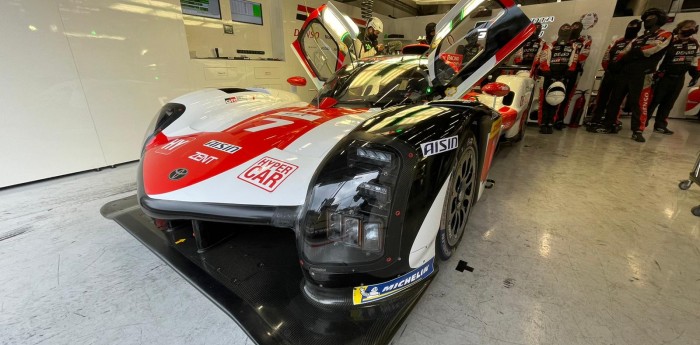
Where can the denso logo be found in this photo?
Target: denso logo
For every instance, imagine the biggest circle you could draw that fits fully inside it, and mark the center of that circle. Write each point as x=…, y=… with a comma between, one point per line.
x=439, y=146
x=221, y=146
x=268, y=173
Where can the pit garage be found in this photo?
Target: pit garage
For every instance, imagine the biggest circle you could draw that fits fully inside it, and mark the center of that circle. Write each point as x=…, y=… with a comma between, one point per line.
x=349, y=172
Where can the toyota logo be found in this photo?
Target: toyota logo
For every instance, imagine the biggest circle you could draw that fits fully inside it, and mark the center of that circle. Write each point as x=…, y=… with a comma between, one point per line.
x=177, y=174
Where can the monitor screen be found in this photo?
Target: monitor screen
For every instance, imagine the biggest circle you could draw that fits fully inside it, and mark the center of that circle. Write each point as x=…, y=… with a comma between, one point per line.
x=202, y=8
x=246, y=12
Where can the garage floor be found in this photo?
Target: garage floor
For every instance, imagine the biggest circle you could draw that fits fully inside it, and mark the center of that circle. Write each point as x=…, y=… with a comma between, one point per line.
x=586, y=239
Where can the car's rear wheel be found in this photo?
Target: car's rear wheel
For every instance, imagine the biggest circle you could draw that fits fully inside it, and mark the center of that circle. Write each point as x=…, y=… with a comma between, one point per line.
x=462, y=190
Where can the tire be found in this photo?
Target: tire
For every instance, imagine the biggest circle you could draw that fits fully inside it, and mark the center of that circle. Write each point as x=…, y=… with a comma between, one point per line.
x=685, y=185
x=696, y=211
x=462, y=190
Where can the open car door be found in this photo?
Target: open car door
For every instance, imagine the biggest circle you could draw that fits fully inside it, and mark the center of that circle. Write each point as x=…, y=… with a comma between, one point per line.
x=472, y=39
x=323, y=42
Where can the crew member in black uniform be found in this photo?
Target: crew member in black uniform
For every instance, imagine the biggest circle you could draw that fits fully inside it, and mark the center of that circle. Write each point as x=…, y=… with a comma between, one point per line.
x=557, y=62
x=638, y=60
x=530, y=50
x=612, y=73
x=429, y=34
x=582, y=44
x=681, y=57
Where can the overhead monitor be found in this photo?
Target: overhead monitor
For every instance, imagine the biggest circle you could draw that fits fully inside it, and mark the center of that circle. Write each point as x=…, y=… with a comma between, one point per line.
x=202, y=8
x=243, y=11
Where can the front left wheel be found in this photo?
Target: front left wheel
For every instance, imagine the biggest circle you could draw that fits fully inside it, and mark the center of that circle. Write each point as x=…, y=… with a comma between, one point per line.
x=462, y=190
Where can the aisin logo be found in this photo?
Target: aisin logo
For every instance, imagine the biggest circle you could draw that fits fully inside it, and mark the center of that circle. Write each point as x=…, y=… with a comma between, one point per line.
x=177, y=174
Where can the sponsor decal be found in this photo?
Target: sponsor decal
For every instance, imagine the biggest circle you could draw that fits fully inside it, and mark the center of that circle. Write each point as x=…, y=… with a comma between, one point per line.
x=172, y=146
x=202, y=158
x=439, y=146
x=231, y=99
x=268, y=173
x=369, y=293
x=222, y=146
x=177, y=174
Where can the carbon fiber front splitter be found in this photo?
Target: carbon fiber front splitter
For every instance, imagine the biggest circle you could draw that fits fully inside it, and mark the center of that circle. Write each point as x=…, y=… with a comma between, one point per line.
x=255, y=278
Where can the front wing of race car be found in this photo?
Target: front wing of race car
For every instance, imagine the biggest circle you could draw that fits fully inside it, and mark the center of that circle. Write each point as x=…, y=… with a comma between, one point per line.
x=254, y=277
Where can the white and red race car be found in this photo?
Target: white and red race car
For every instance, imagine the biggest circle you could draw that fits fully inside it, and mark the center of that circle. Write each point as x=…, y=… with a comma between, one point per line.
x=376, y=176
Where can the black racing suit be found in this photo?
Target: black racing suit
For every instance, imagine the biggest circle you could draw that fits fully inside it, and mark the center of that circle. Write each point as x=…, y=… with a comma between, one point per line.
x=681, y=57
x=583, y=49
x=612, y=75
x=558, y=62
x=529, y=52
x=638, y=61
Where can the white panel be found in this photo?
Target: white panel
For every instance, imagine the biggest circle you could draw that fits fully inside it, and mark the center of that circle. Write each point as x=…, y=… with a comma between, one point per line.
x=45, y=125
x=132, y=57
x=215, y=73
x=266, y=72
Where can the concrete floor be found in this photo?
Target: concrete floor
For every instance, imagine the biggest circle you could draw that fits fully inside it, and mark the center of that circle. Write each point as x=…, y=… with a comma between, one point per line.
x=586, y=239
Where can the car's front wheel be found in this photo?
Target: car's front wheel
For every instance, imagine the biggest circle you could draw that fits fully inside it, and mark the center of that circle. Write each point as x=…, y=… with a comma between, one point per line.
x=461, y=195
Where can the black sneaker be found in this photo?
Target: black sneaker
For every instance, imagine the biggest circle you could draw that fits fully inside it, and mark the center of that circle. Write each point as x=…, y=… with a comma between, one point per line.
x=638, y=137
x=591, y=127
x=543, y=129
x=550, y=130
x=663, y=131
x=603, y=130
x=617, y=128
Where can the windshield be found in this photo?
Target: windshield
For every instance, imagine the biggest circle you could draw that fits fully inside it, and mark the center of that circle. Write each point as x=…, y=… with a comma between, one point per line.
x=379, y=82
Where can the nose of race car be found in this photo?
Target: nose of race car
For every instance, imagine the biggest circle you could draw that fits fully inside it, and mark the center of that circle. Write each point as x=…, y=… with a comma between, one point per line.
x=187, y=160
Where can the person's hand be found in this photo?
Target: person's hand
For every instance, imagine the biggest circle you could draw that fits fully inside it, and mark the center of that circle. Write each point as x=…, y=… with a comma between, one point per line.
x=380, y=47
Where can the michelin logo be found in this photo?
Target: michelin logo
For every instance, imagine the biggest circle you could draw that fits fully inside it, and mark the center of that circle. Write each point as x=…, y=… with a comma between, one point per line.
x=364, y=294
x=439, y=146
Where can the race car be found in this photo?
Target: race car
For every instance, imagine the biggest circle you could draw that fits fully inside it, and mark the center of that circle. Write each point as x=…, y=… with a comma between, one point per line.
x=376, y=176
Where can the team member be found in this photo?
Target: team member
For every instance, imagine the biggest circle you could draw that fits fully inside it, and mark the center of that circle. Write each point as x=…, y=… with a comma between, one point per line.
x=369, y=46
x=612, y=72
x=681, y=57
x=583, y=49
x=639, y=60
x=429, y=34
x=530, y=50
x=557, y=62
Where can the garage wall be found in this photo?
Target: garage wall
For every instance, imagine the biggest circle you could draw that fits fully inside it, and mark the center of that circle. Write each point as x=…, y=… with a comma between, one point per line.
x=77, y=77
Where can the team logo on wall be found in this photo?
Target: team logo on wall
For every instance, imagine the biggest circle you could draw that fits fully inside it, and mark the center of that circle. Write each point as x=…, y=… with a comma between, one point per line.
x=589, y=20
x=177, y=174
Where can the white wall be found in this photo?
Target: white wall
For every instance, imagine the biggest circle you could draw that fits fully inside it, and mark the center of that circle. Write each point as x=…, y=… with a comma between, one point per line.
x=76, y=79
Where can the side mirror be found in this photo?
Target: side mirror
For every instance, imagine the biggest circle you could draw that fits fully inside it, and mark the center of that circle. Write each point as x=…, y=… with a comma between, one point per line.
x=297, y=81
x=496, y=89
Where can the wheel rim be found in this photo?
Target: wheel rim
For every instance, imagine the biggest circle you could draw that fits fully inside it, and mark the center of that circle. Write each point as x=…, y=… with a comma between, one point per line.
x=461, y=196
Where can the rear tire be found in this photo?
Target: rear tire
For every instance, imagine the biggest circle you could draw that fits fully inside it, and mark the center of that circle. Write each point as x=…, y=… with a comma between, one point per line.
x=462, y=190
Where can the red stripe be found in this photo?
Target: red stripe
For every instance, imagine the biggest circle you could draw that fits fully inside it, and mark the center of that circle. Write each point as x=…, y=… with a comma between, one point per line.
x=157, y=166
x=302, y=8
x=359, y=22
x=507, y=3
x=515, y=43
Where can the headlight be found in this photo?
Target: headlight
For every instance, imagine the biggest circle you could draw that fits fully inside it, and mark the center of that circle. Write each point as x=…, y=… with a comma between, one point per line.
x=349, y=206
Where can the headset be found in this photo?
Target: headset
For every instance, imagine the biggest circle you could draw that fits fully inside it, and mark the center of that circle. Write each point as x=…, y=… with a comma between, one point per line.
x=659, y=13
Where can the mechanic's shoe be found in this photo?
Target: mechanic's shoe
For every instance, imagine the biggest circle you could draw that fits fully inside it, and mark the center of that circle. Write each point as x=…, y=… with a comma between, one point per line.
x=603, y=130
x=559, y=125
x=663, y=131
x=638, y=137
x=617, y=128
x=543, y=129
x=549, y=130
x=591, y=127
